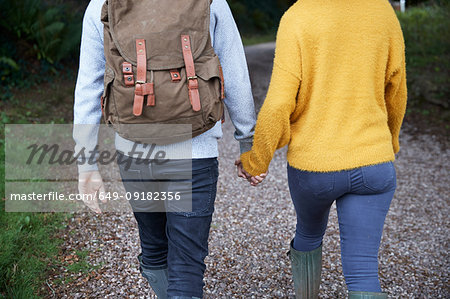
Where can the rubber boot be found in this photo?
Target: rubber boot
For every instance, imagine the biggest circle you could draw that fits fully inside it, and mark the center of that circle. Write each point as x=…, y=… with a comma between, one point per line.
x=366, y=295
x=157, y=278
x=306, y=271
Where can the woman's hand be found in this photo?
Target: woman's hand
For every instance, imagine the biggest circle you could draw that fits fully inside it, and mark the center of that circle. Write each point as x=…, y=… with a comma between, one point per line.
x=253, y=180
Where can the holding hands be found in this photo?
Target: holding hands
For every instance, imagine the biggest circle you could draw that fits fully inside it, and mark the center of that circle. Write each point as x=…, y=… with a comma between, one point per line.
x=253, y=180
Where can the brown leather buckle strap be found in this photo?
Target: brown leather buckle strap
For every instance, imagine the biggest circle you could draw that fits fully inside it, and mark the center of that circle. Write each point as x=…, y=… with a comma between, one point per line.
x=194, y=95
x=146, y=89
x=141, y=53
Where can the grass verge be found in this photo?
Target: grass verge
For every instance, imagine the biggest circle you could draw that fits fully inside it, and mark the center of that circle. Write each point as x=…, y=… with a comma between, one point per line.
x=258, y=39
x=28, y=246
x=26, y=251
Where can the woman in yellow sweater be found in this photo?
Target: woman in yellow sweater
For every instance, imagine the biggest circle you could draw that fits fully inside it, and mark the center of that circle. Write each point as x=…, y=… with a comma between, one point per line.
x=337, y=98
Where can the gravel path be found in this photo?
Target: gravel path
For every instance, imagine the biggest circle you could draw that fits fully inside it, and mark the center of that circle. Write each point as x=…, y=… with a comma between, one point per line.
x=252, y=228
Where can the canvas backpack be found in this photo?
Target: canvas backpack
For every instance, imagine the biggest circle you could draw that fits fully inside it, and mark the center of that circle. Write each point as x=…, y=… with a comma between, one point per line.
x=163, y=81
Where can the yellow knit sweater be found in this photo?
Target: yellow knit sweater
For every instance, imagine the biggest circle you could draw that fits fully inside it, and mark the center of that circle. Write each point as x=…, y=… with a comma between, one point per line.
x=338, y=90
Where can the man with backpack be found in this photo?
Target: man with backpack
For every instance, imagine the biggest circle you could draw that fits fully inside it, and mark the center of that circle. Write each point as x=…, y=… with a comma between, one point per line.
x=152, y=62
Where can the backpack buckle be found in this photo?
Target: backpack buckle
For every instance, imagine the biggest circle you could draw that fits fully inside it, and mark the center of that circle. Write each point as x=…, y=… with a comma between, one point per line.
x=194, y=95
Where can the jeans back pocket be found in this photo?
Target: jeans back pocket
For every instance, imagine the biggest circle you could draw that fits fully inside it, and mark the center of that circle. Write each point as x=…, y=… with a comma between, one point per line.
x=379, y=177
x=318, y=184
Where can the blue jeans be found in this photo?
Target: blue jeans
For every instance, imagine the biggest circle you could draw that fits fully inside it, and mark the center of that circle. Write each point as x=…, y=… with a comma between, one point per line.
x=176, y=240
x=363, y=197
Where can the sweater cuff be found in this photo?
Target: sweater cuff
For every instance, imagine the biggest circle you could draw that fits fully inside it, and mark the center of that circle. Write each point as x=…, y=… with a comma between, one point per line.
x=86, y=167
x=245, y=146
x=396, y=147
x=252, y=167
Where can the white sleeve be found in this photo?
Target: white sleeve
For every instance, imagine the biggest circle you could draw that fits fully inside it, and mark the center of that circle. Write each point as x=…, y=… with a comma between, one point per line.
x=89, y=86
x=238, y=91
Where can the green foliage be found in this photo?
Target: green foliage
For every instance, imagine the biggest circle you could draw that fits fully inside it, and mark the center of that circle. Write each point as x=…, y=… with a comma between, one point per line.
x=25, y=251
x=2, y=161
x=427, y=40
x=415, y=2
x=9, y=62
x=36, y=37
x=426, y=33
x=48, y=33
x=258, y=16
x=82, y=265
x=259, y=39
x=26, y=245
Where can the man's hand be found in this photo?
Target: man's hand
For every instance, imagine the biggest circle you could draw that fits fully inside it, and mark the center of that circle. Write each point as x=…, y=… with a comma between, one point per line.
x=241, y=171
x=253, y=180
x=90, y=184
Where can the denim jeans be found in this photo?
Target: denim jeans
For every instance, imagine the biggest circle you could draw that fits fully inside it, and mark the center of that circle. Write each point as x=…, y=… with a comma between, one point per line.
x=176, y=240
x=363, y=197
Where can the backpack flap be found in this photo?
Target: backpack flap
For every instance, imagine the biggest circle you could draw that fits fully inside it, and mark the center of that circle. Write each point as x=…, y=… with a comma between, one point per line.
x=160, y=24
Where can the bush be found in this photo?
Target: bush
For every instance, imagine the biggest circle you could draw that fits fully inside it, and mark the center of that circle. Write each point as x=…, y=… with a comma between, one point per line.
x=415, y=2
x=427, y=39
x=258, y=16
x=36, y=37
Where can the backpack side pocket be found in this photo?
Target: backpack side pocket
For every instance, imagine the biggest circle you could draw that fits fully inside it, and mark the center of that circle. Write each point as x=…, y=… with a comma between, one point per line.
x=105, y=98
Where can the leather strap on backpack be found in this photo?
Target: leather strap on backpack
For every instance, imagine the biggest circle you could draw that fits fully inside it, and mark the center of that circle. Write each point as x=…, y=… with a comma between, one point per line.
x=142, y=88
x=194, y=95
x=141, y=76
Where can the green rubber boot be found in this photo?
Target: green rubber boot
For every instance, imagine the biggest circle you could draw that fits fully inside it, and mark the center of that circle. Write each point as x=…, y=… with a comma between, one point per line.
x=157, y=278
x=366, y=295
x=306, y=271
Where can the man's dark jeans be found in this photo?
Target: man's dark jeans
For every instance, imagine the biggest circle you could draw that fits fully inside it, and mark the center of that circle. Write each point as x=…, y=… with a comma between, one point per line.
x=177, y=240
